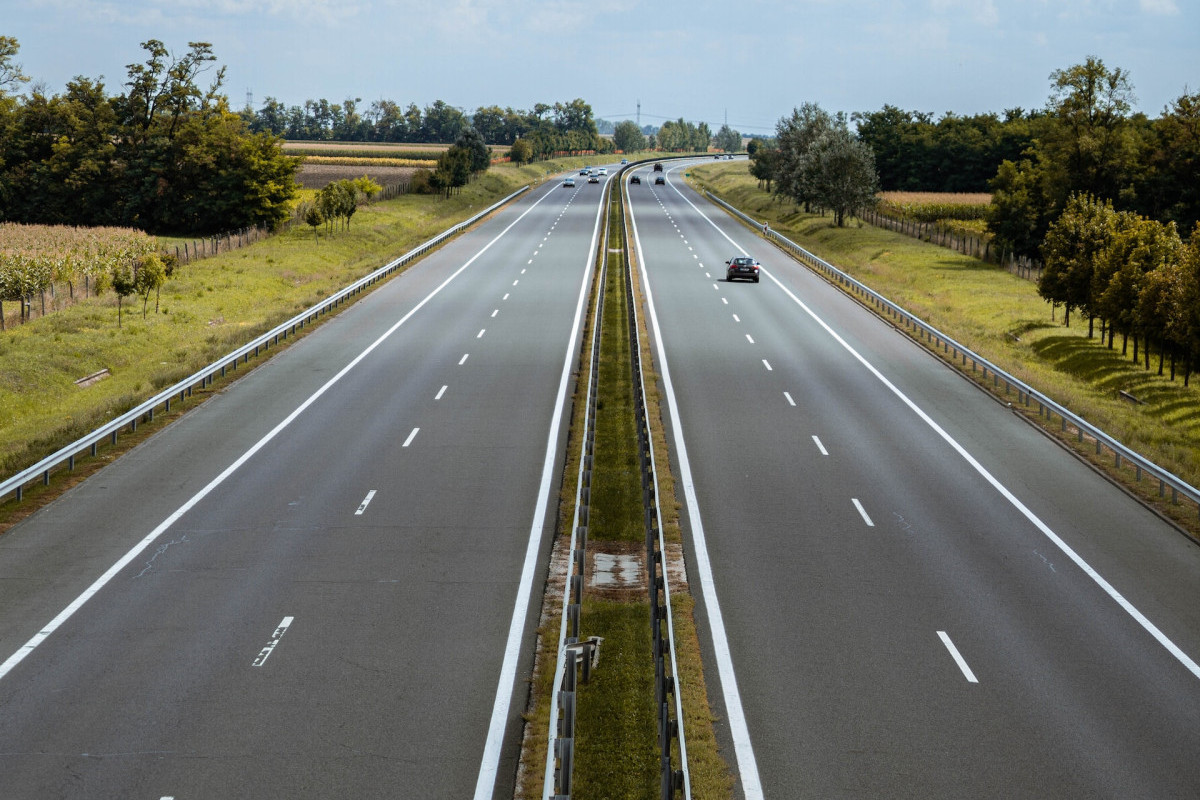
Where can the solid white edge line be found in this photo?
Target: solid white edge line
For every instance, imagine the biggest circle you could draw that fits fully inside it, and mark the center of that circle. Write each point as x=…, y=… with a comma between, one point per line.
x=958, y=659
x=1036, y=521
x=411, y=436
x=166, y=524
x=366, y=502
x=743, y=748
x=489, y=765
x=863, y=512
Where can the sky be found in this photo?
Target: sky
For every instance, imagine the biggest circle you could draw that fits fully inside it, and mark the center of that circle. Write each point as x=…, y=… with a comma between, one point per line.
x=748, y=62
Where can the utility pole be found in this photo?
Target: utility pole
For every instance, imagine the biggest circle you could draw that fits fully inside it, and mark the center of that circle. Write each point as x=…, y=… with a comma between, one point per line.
x=639, y=114
x=249, y=99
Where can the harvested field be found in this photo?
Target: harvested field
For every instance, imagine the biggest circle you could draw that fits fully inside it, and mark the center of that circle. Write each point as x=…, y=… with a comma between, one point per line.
x=317, y=176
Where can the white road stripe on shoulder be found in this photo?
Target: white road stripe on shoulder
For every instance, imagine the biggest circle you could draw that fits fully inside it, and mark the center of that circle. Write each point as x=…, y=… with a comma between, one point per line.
x=366, y=502
x=958, y=659
x=265, y=653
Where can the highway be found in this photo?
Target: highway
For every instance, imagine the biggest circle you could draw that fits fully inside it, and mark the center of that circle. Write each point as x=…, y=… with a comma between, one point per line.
x=903, y=589
x=320, y=582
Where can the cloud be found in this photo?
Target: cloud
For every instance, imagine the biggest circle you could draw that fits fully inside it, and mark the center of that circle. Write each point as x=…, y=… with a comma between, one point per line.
x=1162, y=8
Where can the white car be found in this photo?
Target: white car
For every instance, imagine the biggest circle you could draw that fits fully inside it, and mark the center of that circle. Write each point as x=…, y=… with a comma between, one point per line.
x=602, y=171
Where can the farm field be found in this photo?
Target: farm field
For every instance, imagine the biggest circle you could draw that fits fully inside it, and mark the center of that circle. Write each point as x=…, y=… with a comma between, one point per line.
x=1001, y=317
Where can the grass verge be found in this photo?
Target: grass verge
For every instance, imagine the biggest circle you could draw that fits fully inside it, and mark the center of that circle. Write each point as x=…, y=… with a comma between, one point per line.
x=1002, y=318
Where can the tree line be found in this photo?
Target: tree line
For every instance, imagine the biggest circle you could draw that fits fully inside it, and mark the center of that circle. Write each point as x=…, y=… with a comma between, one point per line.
x=163, y=154
x=1132, y=273
x=561, y=127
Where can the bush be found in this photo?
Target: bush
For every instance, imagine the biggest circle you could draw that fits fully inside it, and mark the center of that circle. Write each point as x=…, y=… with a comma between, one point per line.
x=422, y=182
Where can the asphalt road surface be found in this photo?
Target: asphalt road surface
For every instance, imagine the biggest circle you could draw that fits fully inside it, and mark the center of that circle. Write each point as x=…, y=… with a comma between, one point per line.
x=318, y=584
x=906, y=590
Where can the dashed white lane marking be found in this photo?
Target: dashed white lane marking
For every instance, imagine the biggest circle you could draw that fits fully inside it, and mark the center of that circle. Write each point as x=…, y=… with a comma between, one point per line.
x=411, y=436
x=441, y=392
x=366, y=502
x=821, y=447
x=63, y=616
x=725, y=300
x=505, y=296
x=863, y=512
x=788, y=397
x=767, y=364
x=530, y=261
x=494, y=313
x=481, y=332
x=265, y=653
x=749, y=338
x=958, y=659
x=707, y=274
x=522, y=272
x=463, y=360
x=715, y=286
x=518, y=280
x=736, y=318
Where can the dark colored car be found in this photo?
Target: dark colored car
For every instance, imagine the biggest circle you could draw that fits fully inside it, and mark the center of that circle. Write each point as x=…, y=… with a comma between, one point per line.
x=636, y=179
x=741, y=267
x=660, y=181
x=658, y=167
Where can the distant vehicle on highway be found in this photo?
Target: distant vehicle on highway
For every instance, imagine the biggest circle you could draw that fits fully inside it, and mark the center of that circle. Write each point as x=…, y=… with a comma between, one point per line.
x=569, y=183
x=741, y=267
x=602, y=171
x=658, y=167
x=660, y=181
x=624, y=161
x=585, y=171
x=636, y=179
x=593, y=178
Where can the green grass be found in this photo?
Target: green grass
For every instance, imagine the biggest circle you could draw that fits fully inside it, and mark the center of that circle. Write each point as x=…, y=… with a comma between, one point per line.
x=1001, y=317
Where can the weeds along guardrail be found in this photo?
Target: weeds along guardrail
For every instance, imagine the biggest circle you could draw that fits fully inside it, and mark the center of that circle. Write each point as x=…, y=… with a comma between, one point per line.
x=666, y=666
x=574, y=656
x=88, y=444
x=935, y=339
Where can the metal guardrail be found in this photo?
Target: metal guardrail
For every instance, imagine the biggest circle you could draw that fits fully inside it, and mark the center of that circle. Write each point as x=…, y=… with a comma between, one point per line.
x=571, y=653
x=666, y=667
x=1026, y=395
x=16, y=484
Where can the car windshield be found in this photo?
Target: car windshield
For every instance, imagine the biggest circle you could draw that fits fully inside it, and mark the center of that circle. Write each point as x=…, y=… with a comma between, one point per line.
x=742, y=262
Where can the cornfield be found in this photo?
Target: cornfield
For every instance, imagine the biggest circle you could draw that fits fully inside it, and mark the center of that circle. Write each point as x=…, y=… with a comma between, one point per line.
x=33, y=257
x=935, y=206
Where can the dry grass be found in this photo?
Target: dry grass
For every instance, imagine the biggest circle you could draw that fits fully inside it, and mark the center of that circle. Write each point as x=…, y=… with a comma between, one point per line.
x=950, y=198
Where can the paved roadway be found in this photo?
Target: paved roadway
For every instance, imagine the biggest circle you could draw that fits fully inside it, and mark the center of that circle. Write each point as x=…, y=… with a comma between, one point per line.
x=335, y=550
x=890, y=611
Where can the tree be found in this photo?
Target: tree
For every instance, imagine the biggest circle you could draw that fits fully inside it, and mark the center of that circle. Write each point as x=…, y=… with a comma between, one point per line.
x=10, y=71
x=149, y=276
x=1074, y=244
x=628, y=137
x=1019, y=214
x=794, y=138
x=1140, y=246
x=763, y=164
x=1090, y=140
x=520, y=152
x=313, y=218
x=471, y=141
x=839, y=174
x=123, y=284
x=728, y=139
